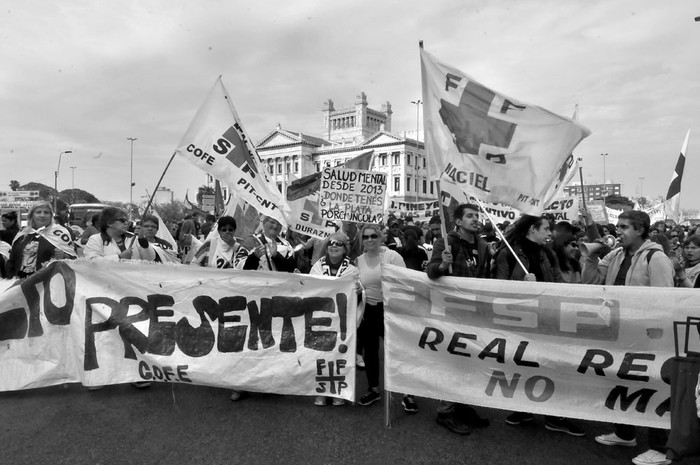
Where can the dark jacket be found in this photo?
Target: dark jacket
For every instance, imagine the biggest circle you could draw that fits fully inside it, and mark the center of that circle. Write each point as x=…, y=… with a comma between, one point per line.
x=507, y=267
x=460, y=267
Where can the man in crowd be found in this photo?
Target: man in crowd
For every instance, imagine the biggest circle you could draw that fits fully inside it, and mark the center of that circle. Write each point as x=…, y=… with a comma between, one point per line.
x=466, y=256
x=637, y=262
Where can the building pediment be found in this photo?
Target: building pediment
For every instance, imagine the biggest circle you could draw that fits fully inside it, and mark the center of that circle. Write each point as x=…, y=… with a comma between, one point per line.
x=280, y=137
x=383, y=137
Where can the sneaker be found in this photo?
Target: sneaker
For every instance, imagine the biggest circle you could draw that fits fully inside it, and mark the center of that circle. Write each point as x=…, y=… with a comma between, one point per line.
x=613, y=439
x=562, y=425
x=141, y=384
x=518, y=418
x=369, y=398
x=409, y=404
x=359, y=362
x=469, y=416
x=651, y=457
x=320, y=401
x=337, y=402
x=452, y=423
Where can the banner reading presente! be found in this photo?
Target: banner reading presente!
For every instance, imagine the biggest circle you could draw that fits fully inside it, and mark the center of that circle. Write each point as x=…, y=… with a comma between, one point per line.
x=107, y=323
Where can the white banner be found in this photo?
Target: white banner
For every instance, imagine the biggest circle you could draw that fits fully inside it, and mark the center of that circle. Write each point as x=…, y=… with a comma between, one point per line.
x=18, y=199
x=352, y=195
x=577, y=351
x=420, y=211
x=106, y=323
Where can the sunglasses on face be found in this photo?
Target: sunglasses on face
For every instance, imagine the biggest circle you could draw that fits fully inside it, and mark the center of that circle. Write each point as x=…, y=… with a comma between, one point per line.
x=121, y=220
x=573, y=244
x=369, y=236
x=336, y=244
x=227, y=230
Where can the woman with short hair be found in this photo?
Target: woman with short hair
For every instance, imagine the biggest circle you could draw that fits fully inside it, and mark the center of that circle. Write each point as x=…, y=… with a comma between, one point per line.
x=151, y=247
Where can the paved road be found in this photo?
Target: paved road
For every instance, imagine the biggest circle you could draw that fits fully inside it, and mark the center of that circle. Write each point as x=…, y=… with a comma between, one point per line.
x=182, y=424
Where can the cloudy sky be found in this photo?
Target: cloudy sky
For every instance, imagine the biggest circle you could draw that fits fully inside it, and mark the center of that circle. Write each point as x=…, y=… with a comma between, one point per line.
x=86, y=75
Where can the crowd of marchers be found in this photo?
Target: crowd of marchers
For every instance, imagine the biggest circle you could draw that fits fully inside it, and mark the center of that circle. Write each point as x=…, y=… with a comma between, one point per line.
x=631, y=253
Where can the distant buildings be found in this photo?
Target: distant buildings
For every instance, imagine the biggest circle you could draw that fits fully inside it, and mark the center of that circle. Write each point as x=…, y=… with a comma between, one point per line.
x=348, y=132
x=593, y=191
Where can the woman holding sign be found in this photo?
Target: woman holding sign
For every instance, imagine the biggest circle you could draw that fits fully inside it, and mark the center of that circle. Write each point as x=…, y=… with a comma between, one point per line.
x=335, y=263
x=41, y=241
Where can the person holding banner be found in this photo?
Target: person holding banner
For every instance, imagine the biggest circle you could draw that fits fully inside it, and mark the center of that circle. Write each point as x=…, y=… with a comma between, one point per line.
x=112, y=242
x=150, y=247
x=467, y=256
x=529, y=236
x=219, y=252
x=267, y=251
x=637, y=262
x=39, y=242
x=372, y=325
x=335, y=263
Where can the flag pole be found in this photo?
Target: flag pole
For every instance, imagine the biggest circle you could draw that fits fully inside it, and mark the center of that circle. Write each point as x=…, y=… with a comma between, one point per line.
x=500, y=234
x=443, y=227
x=150, y=200
x=583, y=195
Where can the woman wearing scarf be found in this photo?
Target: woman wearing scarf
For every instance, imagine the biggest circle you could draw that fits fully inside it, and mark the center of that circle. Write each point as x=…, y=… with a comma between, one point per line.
x=41, y=241
x=219, y=252
x=688, y=269
x=113, y=241
x=151, y=247
x=335, y=263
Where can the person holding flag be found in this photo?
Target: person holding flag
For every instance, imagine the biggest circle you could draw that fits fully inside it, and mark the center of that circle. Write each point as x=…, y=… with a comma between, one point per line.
x=39, y=242
x=150, y=247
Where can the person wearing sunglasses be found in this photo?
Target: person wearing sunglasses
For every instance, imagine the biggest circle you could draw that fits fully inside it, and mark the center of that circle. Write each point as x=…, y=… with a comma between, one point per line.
x=372, y=325
x=150, y=247
x=566, y=249
x=114, y=240
x=220, y=250
x=335, y=263
x=39, y=242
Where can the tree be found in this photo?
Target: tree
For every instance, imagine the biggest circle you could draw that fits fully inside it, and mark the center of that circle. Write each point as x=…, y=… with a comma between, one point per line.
x=14, y=185
x=173, y=212
x=71, y=196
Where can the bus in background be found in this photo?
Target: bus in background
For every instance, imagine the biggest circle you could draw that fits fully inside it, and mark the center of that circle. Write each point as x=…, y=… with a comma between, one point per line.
x=78, y=213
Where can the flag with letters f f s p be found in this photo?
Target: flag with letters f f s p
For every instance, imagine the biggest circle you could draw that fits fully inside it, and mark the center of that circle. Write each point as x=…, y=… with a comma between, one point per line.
x=493, y=147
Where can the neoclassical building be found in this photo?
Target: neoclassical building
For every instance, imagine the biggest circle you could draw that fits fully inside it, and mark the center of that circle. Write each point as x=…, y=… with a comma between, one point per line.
x=348, y=132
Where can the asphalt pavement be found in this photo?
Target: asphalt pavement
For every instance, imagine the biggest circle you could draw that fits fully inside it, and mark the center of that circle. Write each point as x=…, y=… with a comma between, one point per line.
x=184, y=424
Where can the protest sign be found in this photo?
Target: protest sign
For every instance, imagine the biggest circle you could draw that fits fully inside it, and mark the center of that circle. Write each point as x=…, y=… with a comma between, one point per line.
x=18, y=199
x=598, y=212
x=590, y=352
x=420, y=211
x=357, y=196
x=105, y=323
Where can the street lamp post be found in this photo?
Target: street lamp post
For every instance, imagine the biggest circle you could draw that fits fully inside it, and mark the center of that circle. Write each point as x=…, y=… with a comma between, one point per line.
x=417, y=103
x=55, y=180
x=605, y=185
x=131, y=175
x=72, y=187
x=641, y=187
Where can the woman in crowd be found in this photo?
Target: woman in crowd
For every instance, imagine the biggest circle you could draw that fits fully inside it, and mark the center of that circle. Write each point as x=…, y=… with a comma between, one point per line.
x=10, y=227
x=150, y=247
x=219, y=252
x=566, y=248
x=113, y=241
x=41, y=241
x=688, y=267
x=335, y=263
x=372, y=326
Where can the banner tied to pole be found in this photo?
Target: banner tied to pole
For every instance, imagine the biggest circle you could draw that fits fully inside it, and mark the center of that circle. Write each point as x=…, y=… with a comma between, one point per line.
x=493, y=147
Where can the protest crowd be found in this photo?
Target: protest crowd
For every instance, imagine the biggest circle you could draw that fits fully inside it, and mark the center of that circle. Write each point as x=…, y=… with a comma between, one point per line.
x=550, y=251
x=460, y=261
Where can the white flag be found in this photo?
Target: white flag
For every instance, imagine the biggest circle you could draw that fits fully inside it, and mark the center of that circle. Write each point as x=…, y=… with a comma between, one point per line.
x=494, y=147
x=216, y=143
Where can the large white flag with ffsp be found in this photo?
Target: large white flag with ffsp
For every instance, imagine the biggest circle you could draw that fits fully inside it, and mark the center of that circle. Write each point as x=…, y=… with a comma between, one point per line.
x=493, y=147
x=216, y=143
